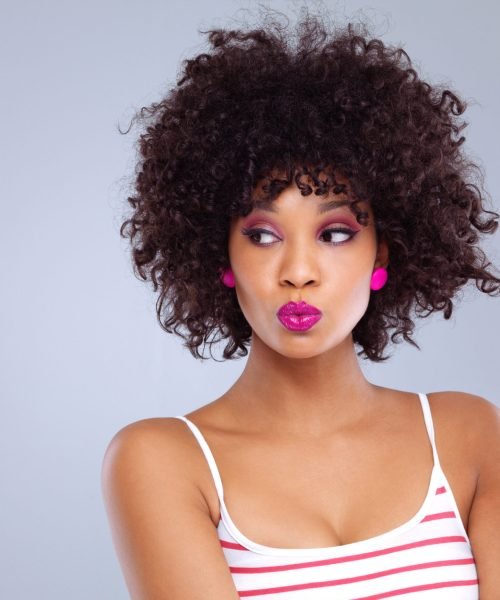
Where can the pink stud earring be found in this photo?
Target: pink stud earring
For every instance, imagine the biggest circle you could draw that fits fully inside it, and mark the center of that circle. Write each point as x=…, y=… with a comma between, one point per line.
x=379, y=278
x=227, y=277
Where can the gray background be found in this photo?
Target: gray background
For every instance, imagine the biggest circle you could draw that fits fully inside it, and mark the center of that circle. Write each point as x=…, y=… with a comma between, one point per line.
x=81, y=352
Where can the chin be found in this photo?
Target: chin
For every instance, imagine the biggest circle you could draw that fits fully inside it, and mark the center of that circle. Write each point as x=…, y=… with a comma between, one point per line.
x=298, y=346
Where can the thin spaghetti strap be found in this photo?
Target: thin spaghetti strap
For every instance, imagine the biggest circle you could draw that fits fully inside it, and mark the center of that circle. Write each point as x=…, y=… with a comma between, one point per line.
x=208, y=455
x=424, y=401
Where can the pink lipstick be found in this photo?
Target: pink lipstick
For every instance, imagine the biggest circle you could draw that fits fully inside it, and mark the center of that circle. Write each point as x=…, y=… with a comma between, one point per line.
x=298, y=316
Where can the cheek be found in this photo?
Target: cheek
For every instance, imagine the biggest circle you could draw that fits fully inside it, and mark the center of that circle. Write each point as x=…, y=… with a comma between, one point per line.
x=238, y=251
x=247, y=262
x=253, y=291
x=360, y=294
x=347, y=287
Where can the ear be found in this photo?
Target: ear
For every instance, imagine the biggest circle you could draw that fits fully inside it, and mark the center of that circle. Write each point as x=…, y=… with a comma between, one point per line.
x=382, y=258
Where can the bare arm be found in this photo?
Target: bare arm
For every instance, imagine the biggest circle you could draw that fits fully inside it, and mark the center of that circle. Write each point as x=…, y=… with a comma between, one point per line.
x=484, y=517
x=164, y=537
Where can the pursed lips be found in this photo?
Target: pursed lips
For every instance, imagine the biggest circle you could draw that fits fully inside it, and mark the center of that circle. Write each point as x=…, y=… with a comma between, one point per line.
x=298, y=308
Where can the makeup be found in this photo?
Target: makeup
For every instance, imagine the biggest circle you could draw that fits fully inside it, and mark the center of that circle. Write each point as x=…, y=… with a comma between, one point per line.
x=299, y=322
x=298, y=316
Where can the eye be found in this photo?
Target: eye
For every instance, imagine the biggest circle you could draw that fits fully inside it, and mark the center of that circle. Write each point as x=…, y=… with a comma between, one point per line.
x=257, y=233
x=340, y=234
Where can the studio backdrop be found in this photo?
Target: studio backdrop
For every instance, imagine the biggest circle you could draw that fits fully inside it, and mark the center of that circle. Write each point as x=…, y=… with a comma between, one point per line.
x=82, y=353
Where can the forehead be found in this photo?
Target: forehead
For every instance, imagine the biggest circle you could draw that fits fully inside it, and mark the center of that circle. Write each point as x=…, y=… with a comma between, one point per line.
x=270, y=191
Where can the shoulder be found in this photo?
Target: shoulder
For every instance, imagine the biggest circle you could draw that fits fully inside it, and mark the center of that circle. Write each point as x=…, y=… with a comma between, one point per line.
x=153, y=437
x=473, y=419
x=155, y=452
x=154, y=449
x=462, y=406
x=159, y=519
x=163, y=439
x=479, y=420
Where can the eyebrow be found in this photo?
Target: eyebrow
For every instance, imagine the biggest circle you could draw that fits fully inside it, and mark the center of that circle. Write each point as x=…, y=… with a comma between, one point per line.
x=325, y=207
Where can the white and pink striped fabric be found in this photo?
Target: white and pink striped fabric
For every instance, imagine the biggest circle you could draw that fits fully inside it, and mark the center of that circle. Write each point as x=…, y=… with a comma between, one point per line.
x=429, y=556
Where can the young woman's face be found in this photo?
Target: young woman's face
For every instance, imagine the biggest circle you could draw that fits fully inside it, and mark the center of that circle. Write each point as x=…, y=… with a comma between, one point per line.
x=301, y=253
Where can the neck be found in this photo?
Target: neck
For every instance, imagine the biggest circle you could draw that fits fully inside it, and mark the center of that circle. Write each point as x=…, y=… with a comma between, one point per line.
x=303, y=396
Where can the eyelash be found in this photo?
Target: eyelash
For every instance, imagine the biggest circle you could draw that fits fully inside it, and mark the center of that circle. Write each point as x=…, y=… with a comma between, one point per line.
x=255, y=231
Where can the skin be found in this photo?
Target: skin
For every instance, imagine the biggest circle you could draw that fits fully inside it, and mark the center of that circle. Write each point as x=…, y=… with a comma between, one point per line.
x=311, y=453
x=313, y=381
x=302, y=405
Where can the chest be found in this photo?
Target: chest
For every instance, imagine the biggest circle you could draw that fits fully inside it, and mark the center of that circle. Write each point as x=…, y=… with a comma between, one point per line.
x=288, y=494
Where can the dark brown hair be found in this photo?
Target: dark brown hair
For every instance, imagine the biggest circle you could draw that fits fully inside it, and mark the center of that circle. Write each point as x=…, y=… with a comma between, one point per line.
x=255, y=103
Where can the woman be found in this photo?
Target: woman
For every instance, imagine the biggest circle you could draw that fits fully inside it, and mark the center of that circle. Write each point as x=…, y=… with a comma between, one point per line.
x=303, y=201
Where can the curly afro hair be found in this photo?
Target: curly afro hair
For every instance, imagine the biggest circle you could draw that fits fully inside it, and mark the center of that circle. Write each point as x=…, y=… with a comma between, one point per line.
x=255, y=106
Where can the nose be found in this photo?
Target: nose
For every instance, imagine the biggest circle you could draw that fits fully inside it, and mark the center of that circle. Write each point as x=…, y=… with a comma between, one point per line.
x=299, y=266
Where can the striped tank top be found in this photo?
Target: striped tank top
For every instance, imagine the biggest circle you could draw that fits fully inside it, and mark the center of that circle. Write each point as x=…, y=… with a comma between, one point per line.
x=429, y=556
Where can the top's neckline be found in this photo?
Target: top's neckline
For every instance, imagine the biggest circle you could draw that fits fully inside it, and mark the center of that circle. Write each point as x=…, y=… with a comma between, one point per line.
x=341, y=549
x=337, y=550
